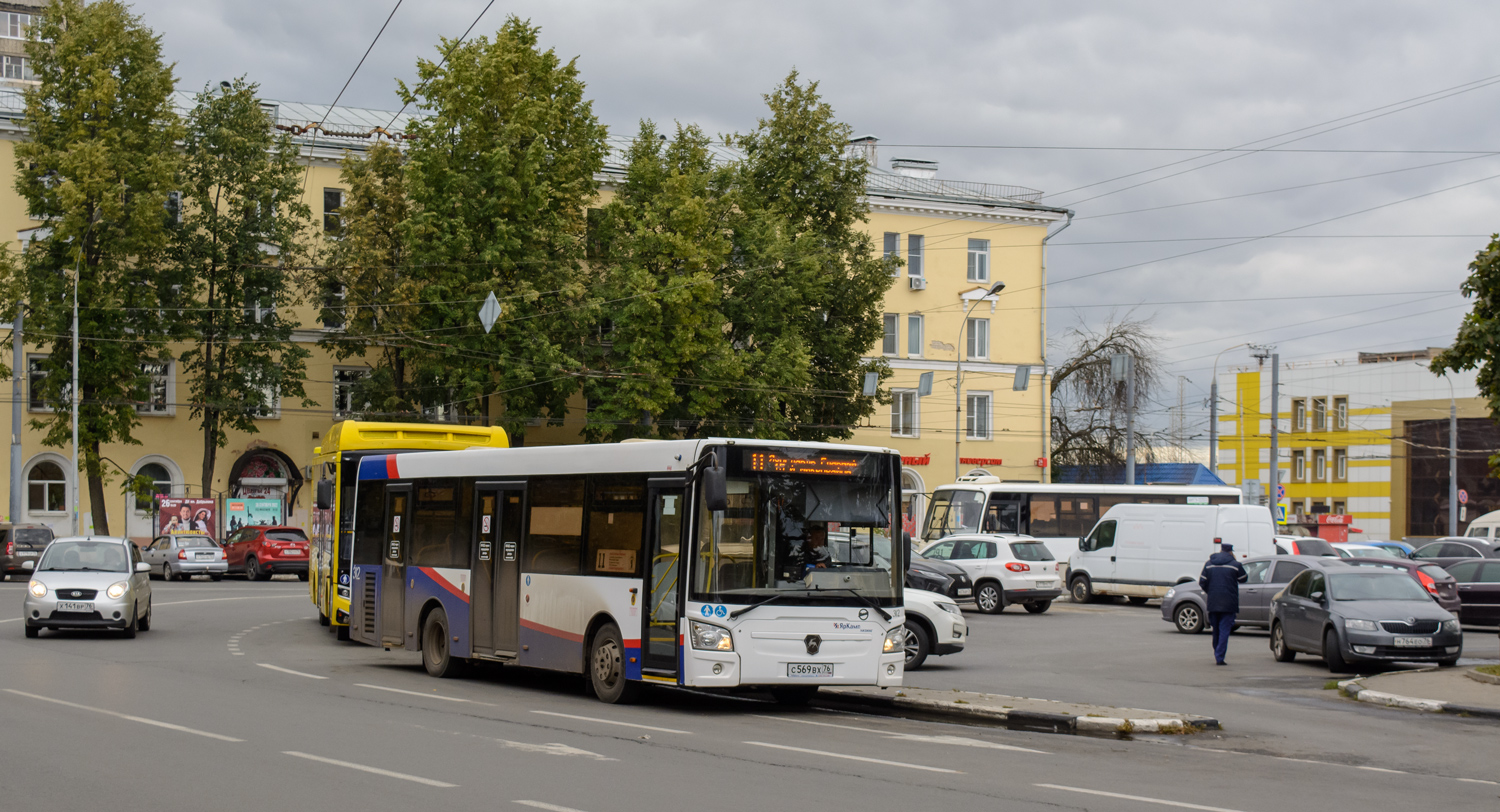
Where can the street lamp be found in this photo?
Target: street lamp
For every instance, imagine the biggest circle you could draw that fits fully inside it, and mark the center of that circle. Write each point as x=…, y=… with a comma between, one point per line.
x=958, y=404
x=1213, y=412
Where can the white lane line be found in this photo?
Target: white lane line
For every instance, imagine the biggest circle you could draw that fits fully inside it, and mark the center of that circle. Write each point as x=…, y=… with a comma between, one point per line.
x=1476, y=781
x=959, y=741
x=547, y=806
x=216, y=600
x=1380, y=770
x=1143, y=799
x=289, y=671
x=613, y=722
x=126, y=716
x=374, y=770
x=857, y=758
x=411, y=693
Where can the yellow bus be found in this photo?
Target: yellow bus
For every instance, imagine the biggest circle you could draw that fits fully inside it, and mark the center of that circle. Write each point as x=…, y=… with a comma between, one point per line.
x=335, y=469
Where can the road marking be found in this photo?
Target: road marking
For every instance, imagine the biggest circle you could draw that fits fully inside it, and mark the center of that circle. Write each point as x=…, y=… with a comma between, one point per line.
x=1476, y=781
x=858, y=758
x=374, y=770
x=547, y=806
x=126, y=716
x=613, y=722
x=216, y=600
x=890, y=734
x=411, y=693
x=289, y=671
x=1380, y=770
x=1141, y=798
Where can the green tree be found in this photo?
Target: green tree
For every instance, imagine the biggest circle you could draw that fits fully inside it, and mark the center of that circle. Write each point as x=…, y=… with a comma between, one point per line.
x=96, y=167
x=243, y=224
x=501, y=165
x=1477, y=345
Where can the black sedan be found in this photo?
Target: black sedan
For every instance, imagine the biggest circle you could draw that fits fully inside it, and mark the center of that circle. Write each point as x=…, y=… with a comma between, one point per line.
x=1478, y=591
x=1362, y=615
x=938, y=576
x=1449, y=551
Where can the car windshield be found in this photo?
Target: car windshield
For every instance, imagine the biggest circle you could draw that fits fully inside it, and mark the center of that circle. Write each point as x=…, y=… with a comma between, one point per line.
x=1375, y=586
x=1030, y=551
x=953, y=512
x=85, y=556
x=286, y=535
x=799, y=521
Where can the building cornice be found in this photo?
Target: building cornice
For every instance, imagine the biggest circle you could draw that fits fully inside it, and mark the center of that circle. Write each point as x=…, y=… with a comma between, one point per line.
x=933, y=364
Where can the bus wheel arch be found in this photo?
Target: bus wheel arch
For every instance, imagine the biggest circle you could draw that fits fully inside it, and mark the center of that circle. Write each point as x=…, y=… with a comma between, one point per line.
x=436, y=647
x=605, y=661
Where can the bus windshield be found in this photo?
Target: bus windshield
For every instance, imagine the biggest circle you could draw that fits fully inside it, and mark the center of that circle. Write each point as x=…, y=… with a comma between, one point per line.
x=800, y=522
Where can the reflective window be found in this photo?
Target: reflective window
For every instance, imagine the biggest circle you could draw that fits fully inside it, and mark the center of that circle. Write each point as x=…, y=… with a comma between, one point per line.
x=1256, y=571
x=554, y=542
x=1285, y=571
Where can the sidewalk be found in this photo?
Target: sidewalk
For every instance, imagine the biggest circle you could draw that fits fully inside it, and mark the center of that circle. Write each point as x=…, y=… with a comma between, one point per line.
x=1023, y=713
x=1446, y=690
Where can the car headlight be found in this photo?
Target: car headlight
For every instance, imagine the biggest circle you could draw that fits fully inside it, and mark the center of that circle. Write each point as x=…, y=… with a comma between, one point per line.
x=950, y=608
x=895, y=639
x=38, y=589
x=710, y=637
x=1452, y=626
x=117, y=589
x=1170, y=593
x=1355, y=624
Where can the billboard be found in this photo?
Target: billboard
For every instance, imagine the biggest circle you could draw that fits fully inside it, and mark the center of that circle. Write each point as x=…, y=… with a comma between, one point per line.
x=187, y=516
x=246, y=512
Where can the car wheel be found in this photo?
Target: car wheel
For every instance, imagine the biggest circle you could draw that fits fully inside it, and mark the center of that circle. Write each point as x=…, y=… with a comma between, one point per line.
x=917, y=646
x=1188, y=618
x=145, y=622
x=989, y=599
x=1279, y=648
x=794, y=696
x=1082, y=590
x=1038, y=607
x=1332, y=656
x=254, y=572
x=1137, y=600
x=167, y=574
x=33, y=632
x=607, y=667
x=129, y=631
x=215, y=577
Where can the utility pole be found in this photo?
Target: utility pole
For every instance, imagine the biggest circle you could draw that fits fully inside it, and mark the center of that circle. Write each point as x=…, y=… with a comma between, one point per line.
x=1213, y=414
x=17, y=371
x=1275, y=431
x=1122, y=369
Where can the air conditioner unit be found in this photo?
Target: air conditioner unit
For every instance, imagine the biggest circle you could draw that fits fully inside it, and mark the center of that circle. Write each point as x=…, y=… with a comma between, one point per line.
x=918, y=282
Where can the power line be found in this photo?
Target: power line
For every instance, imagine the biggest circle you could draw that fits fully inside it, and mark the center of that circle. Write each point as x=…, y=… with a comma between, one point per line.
x=444, y=60
x=336, y=99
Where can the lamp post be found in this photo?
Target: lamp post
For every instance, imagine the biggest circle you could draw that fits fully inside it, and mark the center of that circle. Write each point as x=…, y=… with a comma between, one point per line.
x=1213, y=413
x=958, y=404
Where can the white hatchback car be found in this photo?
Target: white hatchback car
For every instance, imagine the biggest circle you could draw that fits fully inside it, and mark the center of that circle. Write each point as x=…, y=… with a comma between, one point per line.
x=934, y=626
x=1005, y=569
x=89, y=582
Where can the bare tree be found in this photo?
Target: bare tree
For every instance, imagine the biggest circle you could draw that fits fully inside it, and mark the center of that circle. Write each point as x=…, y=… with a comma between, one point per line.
x=1088, y=405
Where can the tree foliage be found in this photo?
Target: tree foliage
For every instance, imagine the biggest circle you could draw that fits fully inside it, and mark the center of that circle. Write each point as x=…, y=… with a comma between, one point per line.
x=1088, y=405
x=242, y=226
x=97, y=168
x=1477, y=345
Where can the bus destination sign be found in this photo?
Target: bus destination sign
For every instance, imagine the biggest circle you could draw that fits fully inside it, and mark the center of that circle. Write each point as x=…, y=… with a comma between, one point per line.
x=823, y=464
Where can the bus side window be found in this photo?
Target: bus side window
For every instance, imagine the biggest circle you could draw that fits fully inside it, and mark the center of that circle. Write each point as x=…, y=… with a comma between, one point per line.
x=369, y=523
x=441, y=524
x=617, y=522
x=554, y=539
x=1043, y=516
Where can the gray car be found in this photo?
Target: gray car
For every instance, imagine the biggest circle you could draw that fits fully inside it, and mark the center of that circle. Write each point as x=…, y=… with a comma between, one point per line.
x=1362, y=615
x=89, y=582
x=20, y=543
x=183, y=555
x=1186, y=607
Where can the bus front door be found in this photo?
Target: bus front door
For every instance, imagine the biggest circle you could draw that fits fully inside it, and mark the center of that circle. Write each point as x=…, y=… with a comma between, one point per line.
x=497, y=568
x=393, y=566
x=665, y=536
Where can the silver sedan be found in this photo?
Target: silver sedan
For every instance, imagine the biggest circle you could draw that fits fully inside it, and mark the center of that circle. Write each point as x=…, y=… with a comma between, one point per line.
x=94, y=582
x=183, y=555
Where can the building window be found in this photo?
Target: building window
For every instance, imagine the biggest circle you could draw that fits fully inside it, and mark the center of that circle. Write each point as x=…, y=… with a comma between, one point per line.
x=1299, y=466
x=36, y=374
x=1340, y=507
x=890, y=344
x=914, y=336
x=893, y=249
x=1299, y=414
x=335, y=295
x=1320, y=465
x=1341, y=414
x=344, y=380
x=1340, y=464
x=151, y=396
x=333, y=202
x=979, y=260
x=161, y=485
x=46, y=489
x=260, y=313
x=914, y=244
x=979, y=416
x=14, y=25
x=173, y=205
x=904, y=413
x=979, y=338
x=1320, y=414
x=18, y=67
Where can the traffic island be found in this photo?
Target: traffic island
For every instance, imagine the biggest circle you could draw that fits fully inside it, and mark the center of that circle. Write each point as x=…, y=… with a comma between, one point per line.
x=1019, y=712
x=1467, y=692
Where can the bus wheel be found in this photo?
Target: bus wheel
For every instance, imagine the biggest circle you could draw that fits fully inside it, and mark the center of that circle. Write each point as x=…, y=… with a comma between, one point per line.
x=323, y=620
x=607, y=667
x=437, y=655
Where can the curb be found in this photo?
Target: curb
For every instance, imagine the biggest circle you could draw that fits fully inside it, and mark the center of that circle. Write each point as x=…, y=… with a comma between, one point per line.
x=1033, y=721
x=1355, y=690
x=1474, y=674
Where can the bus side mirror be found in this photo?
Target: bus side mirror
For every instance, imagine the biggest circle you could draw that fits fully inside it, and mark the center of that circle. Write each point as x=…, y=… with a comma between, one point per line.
x=324, y=497
x=715, y=487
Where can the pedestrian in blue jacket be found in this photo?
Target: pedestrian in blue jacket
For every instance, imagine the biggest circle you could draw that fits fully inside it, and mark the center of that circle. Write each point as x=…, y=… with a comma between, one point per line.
x=1220, y=580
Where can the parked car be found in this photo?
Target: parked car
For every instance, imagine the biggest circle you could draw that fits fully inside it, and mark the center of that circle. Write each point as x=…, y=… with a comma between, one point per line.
x=1362, y=615
x=1362, y=550
x=260, y=552
x=934, y=627
x=1399, y=546
x=1304, y=545
x=1006, y=569
x=1478, y=591
x=1446, y=552
x=184, y=555
x=1438, y=583
x=1485, y=527
x=938, y=576
x=89, y=582
x=1186, y=607
x=1141, y=551
x=20, y=543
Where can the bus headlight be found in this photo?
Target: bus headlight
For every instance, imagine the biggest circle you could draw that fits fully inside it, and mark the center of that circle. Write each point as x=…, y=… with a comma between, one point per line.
x=344, y=592
x=895, y=640
x=709, y=637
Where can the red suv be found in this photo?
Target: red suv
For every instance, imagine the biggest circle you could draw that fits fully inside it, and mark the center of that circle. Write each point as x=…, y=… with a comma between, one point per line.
x=260, y=552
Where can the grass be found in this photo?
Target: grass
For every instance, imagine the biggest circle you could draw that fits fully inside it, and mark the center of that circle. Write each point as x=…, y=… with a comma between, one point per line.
x=1331, y=685
x=1492, y=670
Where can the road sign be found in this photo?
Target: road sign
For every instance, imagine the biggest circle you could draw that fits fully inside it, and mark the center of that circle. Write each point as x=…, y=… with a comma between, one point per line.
x=489, y=311
x=1280, y=492
x=1463, y=496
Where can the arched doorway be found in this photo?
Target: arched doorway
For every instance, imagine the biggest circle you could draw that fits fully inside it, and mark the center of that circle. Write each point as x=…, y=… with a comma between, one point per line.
x=47, y=493
x=263, y=473
x=166, y=480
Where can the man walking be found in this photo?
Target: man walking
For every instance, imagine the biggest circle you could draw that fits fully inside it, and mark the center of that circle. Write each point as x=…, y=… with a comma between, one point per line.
x=1220, y=580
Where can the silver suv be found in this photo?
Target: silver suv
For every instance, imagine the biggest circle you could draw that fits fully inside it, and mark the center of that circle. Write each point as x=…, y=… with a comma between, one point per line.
x=89, y=582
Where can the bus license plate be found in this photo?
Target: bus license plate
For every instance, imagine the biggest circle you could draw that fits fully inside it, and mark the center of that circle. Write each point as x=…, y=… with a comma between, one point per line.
x=74, y=606
x=1414, y=642
x=809, y=669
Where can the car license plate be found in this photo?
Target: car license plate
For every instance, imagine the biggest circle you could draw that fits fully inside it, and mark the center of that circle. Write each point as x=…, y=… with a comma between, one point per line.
x=1414, y=642
x=205, y=556
x=27, y=554
x=291, y=552
x=74, y=606
x=966, y=592
x=809, y=669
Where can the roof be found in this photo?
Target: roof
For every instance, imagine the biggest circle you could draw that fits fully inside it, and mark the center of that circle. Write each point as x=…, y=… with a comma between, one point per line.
x=1150, y=473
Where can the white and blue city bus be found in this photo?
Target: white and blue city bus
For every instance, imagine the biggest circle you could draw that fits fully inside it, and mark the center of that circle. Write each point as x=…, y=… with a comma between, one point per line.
x=709, y=563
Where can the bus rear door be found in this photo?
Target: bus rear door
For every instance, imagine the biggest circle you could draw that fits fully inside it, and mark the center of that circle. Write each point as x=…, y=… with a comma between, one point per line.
x=393, y=567
x=497, y=567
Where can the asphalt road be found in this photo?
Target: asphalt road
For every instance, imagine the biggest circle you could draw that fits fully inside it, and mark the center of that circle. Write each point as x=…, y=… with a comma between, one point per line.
x=237, y=699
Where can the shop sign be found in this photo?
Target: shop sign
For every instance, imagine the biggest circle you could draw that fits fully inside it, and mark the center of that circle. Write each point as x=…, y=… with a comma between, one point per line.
x=925, y=459
x=980, y=461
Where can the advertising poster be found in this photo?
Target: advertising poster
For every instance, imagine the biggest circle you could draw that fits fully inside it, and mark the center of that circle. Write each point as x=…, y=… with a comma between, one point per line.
x=187, y=516
x=246, y=512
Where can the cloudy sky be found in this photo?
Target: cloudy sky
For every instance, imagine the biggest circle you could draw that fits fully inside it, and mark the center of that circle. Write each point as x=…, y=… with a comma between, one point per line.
x=1351, y=233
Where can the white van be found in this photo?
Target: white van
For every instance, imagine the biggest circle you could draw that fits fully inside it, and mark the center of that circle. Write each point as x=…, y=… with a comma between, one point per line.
x=1485, y=527
x=1141, y=551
